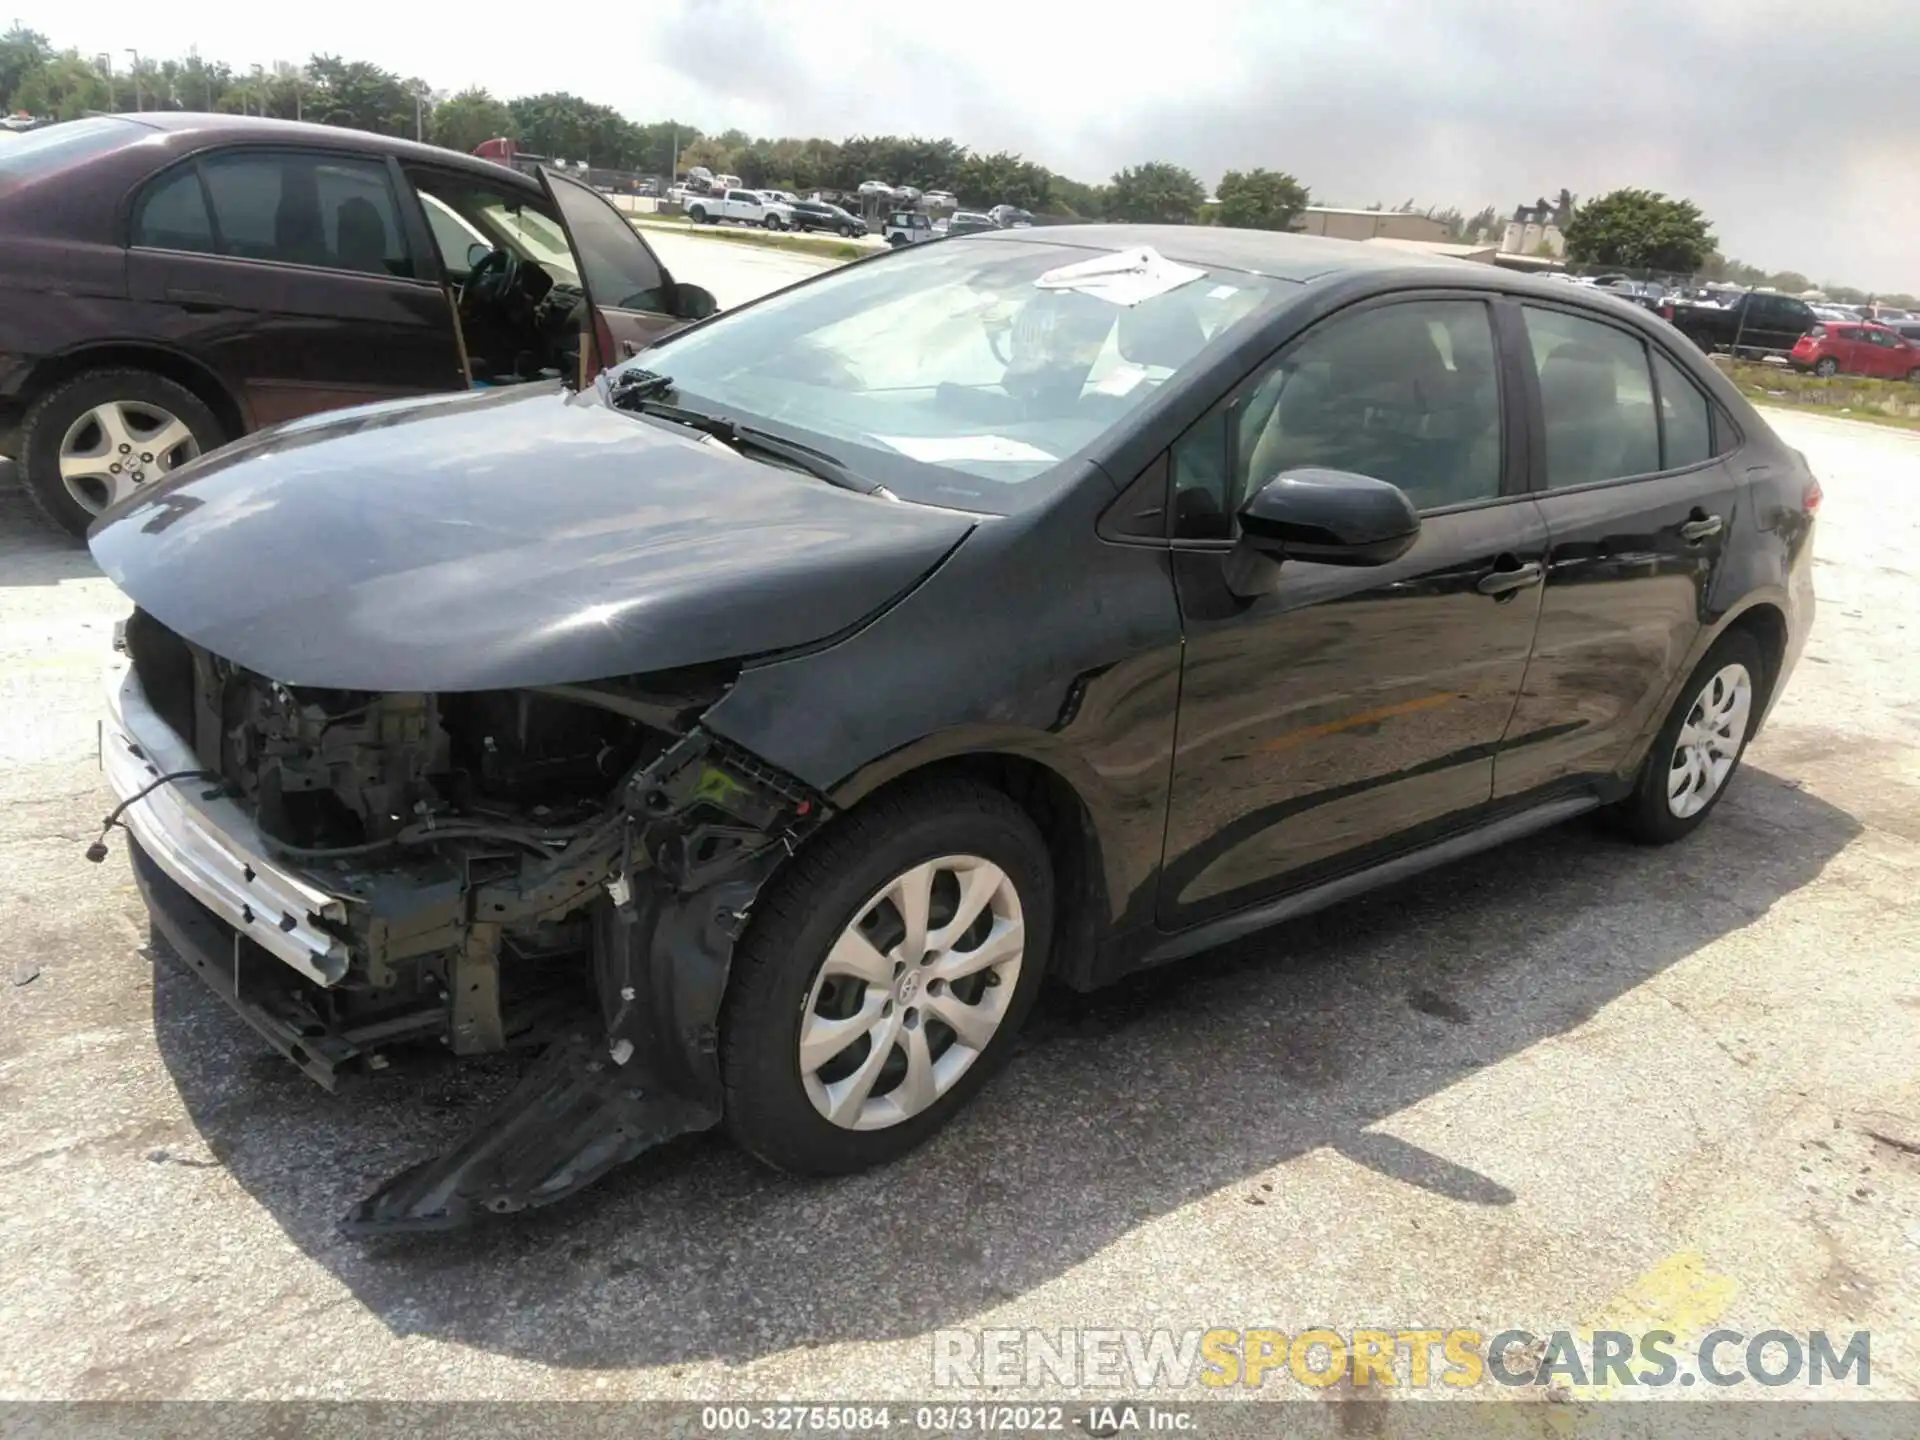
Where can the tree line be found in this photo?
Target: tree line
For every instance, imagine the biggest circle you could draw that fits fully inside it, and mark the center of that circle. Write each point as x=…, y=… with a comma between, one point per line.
x=1630, y=228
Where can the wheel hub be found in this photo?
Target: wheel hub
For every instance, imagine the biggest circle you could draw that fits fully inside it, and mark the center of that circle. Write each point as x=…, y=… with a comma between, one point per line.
x=912, y=992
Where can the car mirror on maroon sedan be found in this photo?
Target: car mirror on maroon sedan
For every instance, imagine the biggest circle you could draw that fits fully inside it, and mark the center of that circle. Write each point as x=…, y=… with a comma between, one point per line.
x=1331, y=517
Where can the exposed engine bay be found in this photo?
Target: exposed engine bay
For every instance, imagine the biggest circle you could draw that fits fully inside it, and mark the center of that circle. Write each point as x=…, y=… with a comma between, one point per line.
x=566, y=865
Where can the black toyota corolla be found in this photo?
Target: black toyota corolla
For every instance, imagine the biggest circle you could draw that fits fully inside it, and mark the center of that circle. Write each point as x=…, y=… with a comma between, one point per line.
x=758, y=728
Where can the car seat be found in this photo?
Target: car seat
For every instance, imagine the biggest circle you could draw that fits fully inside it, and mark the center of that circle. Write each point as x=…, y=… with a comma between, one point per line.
x=361, y=237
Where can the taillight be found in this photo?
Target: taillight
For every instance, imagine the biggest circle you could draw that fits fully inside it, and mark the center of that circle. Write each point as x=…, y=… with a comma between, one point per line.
x=1666, y=312
x=1810, y=502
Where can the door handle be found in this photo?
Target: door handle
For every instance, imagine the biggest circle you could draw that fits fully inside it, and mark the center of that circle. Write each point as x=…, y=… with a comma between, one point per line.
x=196, y=299
x=1694, y=531
x=1505, y=582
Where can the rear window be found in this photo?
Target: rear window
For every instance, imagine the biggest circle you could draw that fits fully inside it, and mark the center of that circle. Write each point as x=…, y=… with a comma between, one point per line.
x=39, y=152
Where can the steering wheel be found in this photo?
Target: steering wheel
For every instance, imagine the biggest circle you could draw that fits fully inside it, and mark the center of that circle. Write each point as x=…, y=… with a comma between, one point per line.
x=492, y=280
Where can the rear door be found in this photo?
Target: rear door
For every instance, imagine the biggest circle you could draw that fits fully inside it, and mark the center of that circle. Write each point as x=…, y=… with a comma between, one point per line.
x=291, y=273
x=1639, y=505
x=631, y=299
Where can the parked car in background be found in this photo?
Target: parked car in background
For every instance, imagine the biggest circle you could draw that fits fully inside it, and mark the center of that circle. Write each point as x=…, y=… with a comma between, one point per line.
x=969, y=222
x=1758, y=321
x=942, y=199
x=1011, y=217
x=1907, y=329
x=741, y=207
x=1647, y=294
x=907, y=227
x=1857, y=349
x=174, y=281
x=819, y=215
x=806, y=759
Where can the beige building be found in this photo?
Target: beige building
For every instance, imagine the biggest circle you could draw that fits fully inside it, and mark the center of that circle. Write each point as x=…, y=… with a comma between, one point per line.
x=1367, y=224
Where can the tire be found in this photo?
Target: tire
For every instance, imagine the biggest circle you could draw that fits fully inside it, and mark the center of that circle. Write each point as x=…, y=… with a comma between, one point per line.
x=1913, y=376
x=1649, y=815
x=697, y=214
x=778, y=987
x=1826, y=368
x=52, y=420
x=846, y=232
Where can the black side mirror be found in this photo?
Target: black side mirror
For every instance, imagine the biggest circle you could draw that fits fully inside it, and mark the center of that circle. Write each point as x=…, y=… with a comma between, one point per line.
x=476, y=252
x=693, y=302
x=1330, y=517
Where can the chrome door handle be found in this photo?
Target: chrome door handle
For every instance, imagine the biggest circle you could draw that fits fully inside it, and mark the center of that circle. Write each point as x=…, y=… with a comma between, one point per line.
x=1696, y=530
x=1505, y=582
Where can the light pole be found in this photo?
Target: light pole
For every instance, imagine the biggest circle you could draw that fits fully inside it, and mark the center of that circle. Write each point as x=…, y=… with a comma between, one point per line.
x=135, y=72
x=106, y=65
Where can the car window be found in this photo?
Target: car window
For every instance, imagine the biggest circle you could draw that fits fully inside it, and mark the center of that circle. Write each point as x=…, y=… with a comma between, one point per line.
x=1882, y=339
x=1596, y=397
x=1406, y=393
x=1685, y=416
x=333, y=212
x=453, y=237
x=618, y=269
x=950, y=372
x=172, y=214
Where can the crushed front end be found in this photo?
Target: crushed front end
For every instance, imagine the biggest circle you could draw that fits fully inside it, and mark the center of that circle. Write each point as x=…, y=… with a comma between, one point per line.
x=564, y=865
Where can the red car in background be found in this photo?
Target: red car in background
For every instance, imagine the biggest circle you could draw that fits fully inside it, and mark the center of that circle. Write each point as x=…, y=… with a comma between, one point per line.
x=1835, y=349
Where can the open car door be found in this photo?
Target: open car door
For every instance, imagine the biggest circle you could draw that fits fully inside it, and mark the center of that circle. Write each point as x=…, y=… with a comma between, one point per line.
x=631, y=299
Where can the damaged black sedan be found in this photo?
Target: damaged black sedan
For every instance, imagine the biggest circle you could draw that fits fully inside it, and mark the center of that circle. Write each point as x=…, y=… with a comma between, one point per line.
x=756, y=728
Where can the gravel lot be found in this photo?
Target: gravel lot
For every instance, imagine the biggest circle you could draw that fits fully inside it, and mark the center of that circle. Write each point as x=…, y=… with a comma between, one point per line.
x=1560, y=1082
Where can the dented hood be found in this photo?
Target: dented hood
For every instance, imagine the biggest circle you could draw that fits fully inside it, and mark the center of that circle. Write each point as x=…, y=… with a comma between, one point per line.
x=501, y=539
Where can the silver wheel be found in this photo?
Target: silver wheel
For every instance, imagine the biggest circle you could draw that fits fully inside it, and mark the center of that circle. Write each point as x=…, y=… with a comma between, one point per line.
x=912, y=992
x=116, y=447
x=1709, y=741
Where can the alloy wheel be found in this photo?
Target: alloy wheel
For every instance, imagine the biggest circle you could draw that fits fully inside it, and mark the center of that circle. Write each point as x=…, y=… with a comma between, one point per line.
x=116, y=447
x=1709, y=741
x=912, y=992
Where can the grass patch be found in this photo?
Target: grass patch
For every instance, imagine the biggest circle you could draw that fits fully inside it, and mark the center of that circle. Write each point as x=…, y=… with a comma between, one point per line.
x=1858, y=397
x=825, y=246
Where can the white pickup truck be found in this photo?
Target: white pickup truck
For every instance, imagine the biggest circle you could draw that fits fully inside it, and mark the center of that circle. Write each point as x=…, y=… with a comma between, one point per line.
x=744, y=207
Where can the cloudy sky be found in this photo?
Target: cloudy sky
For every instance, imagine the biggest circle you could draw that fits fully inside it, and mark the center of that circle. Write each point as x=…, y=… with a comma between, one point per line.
x=1795, y=127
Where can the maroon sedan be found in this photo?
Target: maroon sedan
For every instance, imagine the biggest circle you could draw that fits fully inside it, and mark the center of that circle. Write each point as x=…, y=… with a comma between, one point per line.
x=175, y=281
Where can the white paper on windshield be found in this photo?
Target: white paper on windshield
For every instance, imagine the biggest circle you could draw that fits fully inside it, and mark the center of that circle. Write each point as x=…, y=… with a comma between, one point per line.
x=1124, y=278
x=959, y=449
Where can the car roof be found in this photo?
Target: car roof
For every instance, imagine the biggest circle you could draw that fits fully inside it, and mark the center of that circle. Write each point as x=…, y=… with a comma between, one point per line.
x=198, y=130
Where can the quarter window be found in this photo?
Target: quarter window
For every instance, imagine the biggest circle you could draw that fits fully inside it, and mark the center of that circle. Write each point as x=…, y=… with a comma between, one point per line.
x=1686, y=424
x=1406, y=393
x=1596, y=396
x=173, y=214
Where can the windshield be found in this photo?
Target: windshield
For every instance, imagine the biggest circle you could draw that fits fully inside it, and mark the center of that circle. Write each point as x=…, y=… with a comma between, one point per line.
x=38, y=152
x=536, y=237
x=945, y=372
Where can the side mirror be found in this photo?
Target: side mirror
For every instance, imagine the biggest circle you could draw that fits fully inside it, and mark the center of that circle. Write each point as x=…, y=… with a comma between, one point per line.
x=1330, y=517
x=692, y=302
x=476, y=252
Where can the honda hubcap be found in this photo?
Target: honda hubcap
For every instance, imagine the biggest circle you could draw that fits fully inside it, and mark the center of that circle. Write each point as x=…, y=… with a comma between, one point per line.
x=115, y=448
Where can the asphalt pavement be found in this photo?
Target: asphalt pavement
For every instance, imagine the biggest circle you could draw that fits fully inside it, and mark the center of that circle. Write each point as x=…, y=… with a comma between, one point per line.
x=1567, y=1080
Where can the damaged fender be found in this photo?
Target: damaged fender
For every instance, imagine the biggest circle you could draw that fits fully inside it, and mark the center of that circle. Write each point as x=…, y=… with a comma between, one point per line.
x=703, y=829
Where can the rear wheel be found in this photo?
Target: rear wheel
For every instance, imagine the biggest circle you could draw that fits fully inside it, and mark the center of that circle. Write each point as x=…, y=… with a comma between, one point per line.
x=1826, y=366
x=1694, y=757
x=98, y=438
x=1913, y=375
x=846, y=232
x=884, y=978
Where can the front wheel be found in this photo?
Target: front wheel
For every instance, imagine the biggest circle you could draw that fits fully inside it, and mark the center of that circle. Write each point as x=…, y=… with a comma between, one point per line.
x=884, y=978
x=1826, y=368
x=846, y=232
x=1694, y=757
x=1913, y=375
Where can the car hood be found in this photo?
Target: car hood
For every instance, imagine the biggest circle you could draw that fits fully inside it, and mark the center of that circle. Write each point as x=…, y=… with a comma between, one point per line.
x=504, y=538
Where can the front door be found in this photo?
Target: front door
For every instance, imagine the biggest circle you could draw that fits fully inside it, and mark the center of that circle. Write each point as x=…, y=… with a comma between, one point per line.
x=1349, y=712
x=631, y=299
x=1886, y=355
x=1639, y=508
x=291, y=272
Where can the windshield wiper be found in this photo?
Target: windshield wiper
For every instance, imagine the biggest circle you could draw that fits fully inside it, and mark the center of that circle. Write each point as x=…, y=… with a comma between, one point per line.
x=632, y=384
x=818, y=463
